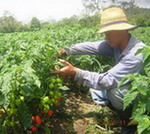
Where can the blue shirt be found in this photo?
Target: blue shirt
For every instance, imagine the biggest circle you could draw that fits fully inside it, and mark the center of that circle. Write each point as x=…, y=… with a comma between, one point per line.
x=126, y=63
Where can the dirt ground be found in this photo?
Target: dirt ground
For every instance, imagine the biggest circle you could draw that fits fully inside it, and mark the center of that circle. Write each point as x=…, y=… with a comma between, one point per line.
x=81, y=116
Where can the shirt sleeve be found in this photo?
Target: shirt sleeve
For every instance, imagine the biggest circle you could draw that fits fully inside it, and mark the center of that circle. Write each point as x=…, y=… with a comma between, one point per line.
x=111, y=78
x=90, y=48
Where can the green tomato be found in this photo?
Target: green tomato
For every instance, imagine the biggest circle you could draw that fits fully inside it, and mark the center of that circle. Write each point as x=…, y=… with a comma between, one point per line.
x=8, y=110
x=59, y=94
x=56, y=96
x=50, y=101
x=42, y=103
x=22, y=92
x=46, y=107
x=58, y=80
x=18, y=102
x=55, y=102
x=59, y=85
x=11, y=111
x=22, y=98
x=51, y=93
x=53, y=80
x=51, y=85
x=46, y=99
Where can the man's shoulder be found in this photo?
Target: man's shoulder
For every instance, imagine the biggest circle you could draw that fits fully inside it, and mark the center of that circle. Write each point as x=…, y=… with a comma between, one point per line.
x=137, y=45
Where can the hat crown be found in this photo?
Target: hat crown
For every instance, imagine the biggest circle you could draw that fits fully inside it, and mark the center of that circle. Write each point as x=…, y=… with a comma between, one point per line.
x=112, y=15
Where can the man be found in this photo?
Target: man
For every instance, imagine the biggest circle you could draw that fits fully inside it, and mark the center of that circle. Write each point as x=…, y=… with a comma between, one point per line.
x=121, y=45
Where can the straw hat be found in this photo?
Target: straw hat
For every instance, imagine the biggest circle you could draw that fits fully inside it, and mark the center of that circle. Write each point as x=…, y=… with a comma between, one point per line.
x=114, y=19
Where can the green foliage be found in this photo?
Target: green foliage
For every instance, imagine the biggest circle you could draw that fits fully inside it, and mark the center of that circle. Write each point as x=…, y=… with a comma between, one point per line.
x=27, y=59
x=90, y=21
x=35, y=24
x=27, y=86
x=25, y=67
x=8, y=23
x=139, y=16
x=139, y=93
x=24, y=116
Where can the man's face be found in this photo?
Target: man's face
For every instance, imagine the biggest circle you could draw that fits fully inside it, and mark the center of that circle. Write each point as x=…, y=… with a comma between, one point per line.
x=114, y=38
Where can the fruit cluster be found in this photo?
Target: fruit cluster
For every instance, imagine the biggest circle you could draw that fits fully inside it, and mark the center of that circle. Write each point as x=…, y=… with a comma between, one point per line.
x=48, y=103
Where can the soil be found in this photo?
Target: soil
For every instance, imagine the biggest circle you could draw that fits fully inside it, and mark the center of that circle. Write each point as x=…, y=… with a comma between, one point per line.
x=81, y=116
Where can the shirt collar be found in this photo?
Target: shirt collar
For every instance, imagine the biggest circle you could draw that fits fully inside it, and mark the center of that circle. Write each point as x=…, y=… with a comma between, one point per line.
x=130, y=45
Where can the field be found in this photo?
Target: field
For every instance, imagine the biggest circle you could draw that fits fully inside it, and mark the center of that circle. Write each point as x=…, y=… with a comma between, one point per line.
x=32, y=100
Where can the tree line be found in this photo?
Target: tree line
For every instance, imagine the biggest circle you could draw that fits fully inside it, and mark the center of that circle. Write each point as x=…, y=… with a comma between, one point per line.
x=9, y=24
x=135, y=14
x=90, y=18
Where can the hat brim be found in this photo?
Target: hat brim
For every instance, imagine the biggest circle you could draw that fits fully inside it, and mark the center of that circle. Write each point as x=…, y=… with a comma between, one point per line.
x=121, y=26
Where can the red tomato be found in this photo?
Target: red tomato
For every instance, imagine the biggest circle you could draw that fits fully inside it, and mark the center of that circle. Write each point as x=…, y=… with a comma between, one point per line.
x=58, y=99
x=38, y=119
x=33, y=118
x=34, y=129
x=50, y=112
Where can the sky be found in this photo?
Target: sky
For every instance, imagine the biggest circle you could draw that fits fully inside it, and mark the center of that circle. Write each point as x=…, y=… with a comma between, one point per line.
x=24, y=10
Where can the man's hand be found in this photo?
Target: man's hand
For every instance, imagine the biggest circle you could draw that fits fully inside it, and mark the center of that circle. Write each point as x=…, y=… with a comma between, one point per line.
x=61, y=53
x=69, y=70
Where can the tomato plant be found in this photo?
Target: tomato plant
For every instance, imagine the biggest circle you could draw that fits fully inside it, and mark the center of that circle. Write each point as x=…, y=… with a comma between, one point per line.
x=139, y=93
x=27, y=88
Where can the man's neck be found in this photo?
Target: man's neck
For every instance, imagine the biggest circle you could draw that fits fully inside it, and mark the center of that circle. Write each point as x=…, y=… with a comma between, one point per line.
x=124, y=42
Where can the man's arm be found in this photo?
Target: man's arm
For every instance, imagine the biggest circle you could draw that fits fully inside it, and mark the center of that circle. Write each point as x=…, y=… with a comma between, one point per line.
x=90, y=48
x=111, y=78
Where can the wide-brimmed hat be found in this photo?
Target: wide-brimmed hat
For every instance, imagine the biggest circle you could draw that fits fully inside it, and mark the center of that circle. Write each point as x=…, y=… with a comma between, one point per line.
x=114, y=19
